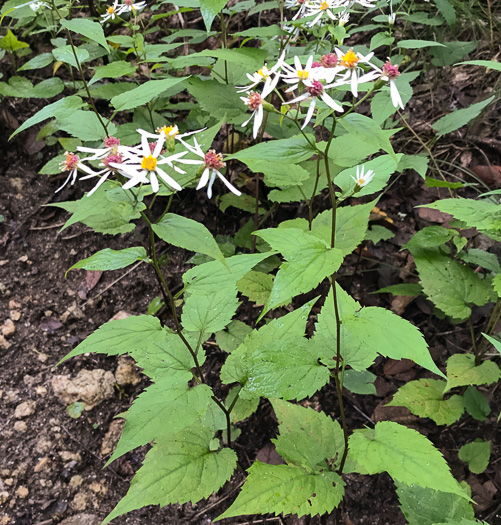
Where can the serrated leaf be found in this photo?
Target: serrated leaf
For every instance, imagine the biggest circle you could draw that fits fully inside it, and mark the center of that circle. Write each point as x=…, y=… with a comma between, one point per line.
x=275, y=489
x=242, y=408
x=483, y=215
x=450, y=285
x=188, y=234
x=10, y=42
x=178, y=470
x=424, y=398
x=405, y=454
x=462, y=371
x=21, y=87
x=418, y=163
x=476, y=404
x=116, y=69
x=308, y=439
x=378, y=233
x=367, y=332
x=85, y=125
x=309, y=261
x=65, y=54
x=92, y=30
x=144, y=93
x=423, y=506
x=476, y=454
x=460, y=117
x=108, y=259
x=60, y=109
x=430, y=237
x=256, y=286
x=209, y=313
x=233, y=336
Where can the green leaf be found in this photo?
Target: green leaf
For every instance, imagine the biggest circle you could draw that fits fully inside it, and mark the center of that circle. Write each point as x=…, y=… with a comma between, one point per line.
x=275, y=489
x=144, y=93
x=65, y=54
x=460, y=117
x=38, y=62
x=418, y=163
x=367, y=332
x=494, y=342
x=434, y=183
x=108, y=259
x=10, y=43
x=117, y=69
x=309, y=261
x=483, y=215
x=452, y=52
x=232, y=337
x=21, y=87
x=76, y=409
x=430, y=237
x=92, y=30
x=461, y=371
x=490, y=64
x=262, y=33
x=424, y=398
x=155, y=305
x=408, y=289
x=423, y=506
x=85, y=125
x=360, y=382
x=178, y=470
x=418, y=44
x=350, y=149
x=475, y=403
x=405, y=454
x=209, y=313
x=308, y=439
x=61, y=109
x=278, y=175
x=108, y=210
x=476, y=454
x=448, y=12
x=450, y=285
x=256, y=286
x=378, y=233
x=210, y=9
x=188, y=234
x=243, y=408
x=250, y=58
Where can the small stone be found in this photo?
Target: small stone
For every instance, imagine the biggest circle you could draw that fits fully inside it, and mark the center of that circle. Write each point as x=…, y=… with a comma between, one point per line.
x=8, y=328
x=13, y=304
x=5, y=520
x=122, y=314
x=66, y=455
x=41, y=391
x=9, y=482
x=79, y=501
x=43, y=445
x=126, y=373
x=20, y=426
x=23, y=258
x=4, y=344
x=25, y=409
x=111, y=437
x=75, y=481
x=22, y=492
x=41, y=464
x=99, y=488
x=15, y=315
x=82, y=519
x=42, y=357
x=4, y=496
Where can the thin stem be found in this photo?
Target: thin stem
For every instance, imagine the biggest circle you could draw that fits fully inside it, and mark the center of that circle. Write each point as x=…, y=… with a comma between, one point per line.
x=310, y=202
x=474, y=342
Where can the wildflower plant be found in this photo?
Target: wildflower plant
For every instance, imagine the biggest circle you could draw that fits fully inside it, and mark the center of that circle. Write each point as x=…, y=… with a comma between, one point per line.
x=310, y=92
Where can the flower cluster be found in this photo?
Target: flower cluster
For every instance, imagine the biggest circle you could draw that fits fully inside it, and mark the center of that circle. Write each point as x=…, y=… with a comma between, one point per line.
x=128, y=6
x=148, y=163
x=314, y=80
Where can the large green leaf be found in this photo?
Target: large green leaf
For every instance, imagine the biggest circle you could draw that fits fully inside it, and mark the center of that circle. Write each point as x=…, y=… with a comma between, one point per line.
x=367, y=332
x=92, y=30
x=66, y=54
x=144, y=93
x=231, y=338
x=60, y=109
x=423, y=506
x=177, y=470
x=405, y=454
x=21, y=87
x=256, y=286
x=209, y=313
x=462, y=371
x=424, y=398
x=450, y=285
x=85, y=126
x=309, y=261
x=188, y=234
x=460, y=117
x=109, y=259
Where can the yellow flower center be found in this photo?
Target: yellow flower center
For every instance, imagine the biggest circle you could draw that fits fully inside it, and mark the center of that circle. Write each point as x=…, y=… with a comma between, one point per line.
x=263, y=72
x=360, y=182
x=324, y=6
x=111, y=10
x=350, y=60
x=303, y=74
x=168, y=130
x=149, y=163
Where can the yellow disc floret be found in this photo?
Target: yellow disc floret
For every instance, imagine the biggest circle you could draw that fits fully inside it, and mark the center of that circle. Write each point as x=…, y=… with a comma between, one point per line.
x=168, y=130
x=324, y=6
x=149, y=163
x=303, y=74
x=349, y=59
x=111, y=10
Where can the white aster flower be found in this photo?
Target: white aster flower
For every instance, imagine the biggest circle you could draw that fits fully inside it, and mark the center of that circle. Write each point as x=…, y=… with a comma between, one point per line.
x=390, y=73
x=316, y=91
x=34, y=5
x=350, y=62
x=270, y=77
x=147, y=164
x=302, y=4
x=297, y=74
x=111, y=12
x=343, y=18
x=362, y=179
x=211, y=164
x=72, y=164
x=322, y=8
x=129, y=6
x=255, y=102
